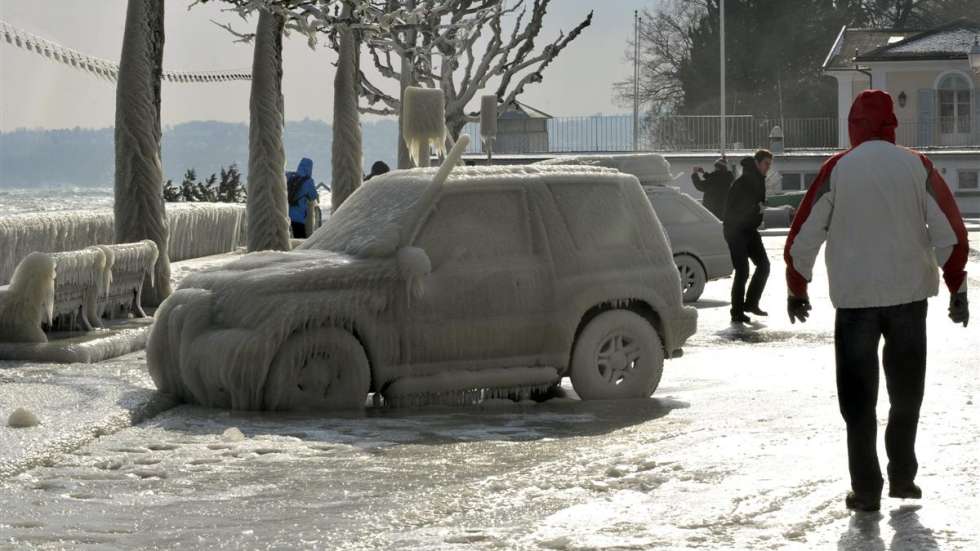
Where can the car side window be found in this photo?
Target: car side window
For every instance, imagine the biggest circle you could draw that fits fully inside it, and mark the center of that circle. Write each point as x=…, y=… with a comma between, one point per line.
x=596, y=215
x=670, y=211
x=476, y=225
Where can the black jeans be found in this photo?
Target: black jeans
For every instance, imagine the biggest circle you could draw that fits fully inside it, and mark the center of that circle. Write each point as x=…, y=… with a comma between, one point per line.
x=298, y=230
x=746, y=244
x=857, y=333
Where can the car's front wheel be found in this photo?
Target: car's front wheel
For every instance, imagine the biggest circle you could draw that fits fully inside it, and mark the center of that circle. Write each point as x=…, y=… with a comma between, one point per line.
x=318, y=369
x=692, y=275
x=617, y=355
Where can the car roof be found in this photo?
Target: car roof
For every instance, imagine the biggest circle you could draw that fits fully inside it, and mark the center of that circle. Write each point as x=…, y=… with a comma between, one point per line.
x=489, y=175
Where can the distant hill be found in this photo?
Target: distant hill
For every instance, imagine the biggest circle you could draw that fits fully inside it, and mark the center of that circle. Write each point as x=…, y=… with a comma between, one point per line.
x=84, y=157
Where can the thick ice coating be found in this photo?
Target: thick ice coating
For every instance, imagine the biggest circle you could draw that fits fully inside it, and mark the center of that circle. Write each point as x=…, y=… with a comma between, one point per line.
x=196, y=230
x=28, y=301
x=475, y=288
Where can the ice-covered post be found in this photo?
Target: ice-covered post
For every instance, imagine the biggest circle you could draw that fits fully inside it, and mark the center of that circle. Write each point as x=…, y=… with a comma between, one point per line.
x=488, y=124
x=138, y=202
x=346, y=160
x=406, y=79
x=267, y=206
x=424, y=123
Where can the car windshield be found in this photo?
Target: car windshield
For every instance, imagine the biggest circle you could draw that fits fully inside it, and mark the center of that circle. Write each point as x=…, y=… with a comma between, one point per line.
x=373, y=220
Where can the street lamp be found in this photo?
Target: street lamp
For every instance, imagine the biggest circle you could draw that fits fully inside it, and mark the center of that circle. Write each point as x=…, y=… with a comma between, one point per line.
x=974, y=55
x=721, y=13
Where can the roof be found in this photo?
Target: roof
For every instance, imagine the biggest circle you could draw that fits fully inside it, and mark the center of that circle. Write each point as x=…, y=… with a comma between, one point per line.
x=481, y=174
x=950, y=41
x=860, y=41
x=518, y=110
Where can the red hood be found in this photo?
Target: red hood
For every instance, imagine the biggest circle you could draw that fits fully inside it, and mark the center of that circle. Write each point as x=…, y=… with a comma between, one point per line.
x=872, y=117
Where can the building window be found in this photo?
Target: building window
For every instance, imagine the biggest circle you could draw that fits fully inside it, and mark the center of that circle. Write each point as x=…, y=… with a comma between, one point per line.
x=954, y=105
x=792, y=181
x=968, y=180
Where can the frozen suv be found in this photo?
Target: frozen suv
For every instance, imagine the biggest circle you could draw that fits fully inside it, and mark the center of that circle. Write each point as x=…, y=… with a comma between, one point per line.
x=495, y=283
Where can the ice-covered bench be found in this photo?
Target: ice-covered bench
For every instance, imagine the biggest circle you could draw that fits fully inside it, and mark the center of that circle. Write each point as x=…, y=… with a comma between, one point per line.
x=80, y=277
x=28, y=302
x=129, y=265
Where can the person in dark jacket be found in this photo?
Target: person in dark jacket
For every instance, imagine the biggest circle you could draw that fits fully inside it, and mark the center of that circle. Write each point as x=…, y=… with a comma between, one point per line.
x=377, y=169
x=743, y=216
x=301, y=190
x=714, y=186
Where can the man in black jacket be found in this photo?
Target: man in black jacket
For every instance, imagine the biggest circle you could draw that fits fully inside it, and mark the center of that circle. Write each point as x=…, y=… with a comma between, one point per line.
x=743, y=216
x=714, y=186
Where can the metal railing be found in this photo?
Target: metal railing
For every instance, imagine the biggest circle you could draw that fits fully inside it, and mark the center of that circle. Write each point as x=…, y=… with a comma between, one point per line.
x=614, y=133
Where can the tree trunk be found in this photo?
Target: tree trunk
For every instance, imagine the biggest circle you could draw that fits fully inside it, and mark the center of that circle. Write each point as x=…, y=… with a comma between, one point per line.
x=267, y=204
x=138, y=206
x=346, y=159
x=407, y=79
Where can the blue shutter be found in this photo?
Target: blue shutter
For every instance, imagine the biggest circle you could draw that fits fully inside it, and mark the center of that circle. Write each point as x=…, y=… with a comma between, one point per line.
x=927, y=117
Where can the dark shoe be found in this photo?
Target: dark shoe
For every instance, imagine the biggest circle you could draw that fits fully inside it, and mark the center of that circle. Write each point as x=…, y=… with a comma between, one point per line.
x=757, y=311
x=740, y=318
x=857, y=502
x=904, y=490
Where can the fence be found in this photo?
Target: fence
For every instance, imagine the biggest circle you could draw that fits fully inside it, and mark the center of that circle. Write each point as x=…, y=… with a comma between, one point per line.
x=614, y=133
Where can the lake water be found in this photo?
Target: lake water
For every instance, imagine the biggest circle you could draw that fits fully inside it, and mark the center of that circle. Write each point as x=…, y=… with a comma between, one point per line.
x=48, y=198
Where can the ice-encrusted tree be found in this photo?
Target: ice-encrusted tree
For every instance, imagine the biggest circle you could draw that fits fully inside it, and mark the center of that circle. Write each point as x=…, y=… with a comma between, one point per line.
x=138, y=201
x=267, y=204
x=464, y=47
x=346, y=150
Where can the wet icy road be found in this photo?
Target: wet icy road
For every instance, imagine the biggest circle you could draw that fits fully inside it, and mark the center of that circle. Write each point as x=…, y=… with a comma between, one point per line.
x=740, y=448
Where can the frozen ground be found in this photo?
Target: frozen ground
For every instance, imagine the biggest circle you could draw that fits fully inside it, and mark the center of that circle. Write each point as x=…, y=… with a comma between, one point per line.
x=741, y=448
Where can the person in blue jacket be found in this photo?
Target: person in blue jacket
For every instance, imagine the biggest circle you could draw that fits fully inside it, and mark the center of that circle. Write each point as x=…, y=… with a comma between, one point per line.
x=301, y=189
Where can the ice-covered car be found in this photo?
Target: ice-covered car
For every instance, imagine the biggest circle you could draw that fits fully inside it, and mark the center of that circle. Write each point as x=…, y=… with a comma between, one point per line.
x=696, y=236
x=496, y=283
x=697, y=239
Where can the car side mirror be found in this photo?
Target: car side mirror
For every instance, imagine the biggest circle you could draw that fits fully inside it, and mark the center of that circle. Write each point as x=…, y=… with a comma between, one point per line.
x=414, y=262
x=414, y=265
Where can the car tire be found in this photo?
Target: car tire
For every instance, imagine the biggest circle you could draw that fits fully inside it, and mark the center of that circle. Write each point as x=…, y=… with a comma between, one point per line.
x=319, y=369
x=692, y=275
x=618, y=355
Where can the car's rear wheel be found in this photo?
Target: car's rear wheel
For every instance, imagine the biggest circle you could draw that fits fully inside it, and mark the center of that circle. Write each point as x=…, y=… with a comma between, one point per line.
x=319, y=369
x=692, y=275
x=617, y=355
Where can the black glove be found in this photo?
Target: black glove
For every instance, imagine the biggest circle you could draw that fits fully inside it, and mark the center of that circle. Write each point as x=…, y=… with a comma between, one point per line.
x=959, y=308
x=798, y=308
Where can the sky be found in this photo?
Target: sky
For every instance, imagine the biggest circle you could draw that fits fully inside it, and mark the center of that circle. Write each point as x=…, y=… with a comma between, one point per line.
x=39, y=93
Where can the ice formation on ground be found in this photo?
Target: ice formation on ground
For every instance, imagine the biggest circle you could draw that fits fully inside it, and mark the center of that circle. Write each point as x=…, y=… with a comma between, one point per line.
x=22, y=419
x=139, y=209
x=353, y=310
x=28, y=301
x=196, y=230
x=424, y=123
x=268, y=205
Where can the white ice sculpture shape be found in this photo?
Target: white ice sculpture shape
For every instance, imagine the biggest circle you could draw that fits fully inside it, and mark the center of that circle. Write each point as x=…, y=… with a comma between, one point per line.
x=424, y=123
x=28, y=301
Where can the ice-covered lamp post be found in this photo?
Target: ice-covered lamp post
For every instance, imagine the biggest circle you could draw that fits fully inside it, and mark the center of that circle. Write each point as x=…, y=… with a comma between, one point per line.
x=138, y=204
x=267, y=205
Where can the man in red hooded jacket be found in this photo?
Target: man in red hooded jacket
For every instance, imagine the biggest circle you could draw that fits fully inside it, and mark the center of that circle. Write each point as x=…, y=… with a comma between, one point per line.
x=889, y=221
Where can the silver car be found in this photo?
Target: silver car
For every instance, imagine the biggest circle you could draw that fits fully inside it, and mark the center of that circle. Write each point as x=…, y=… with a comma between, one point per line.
x=696, y=239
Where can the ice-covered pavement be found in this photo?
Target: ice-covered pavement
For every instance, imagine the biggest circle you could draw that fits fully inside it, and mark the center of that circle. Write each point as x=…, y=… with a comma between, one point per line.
x=741, y=448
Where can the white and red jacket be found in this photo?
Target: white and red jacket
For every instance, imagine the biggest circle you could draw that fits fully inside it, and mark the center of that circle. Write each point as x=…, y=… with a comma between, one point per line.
x=887, y=216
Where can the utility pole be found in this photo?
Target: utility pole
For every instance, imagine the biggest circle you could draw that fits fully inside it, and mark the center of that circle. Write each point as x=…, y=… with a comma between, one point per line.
x=636, y=80
x=722, y=16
